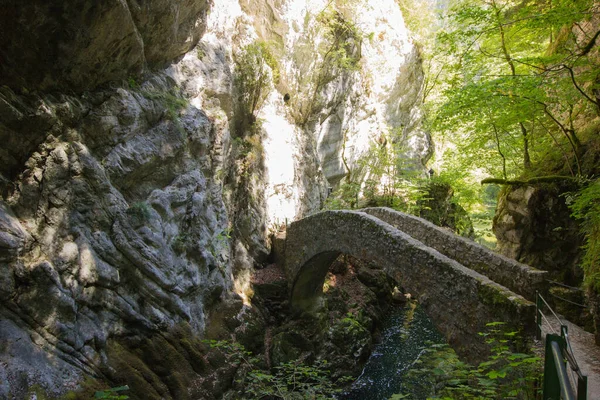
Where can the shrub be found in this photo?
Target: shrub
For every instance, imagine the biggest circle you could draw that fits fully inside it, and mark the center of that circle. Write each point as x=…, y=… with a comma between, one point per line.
x=112, y=393
x=506, y=374
x=179, y=243
x=255, y=69
x=345, y=197
x=131, y=82
x=291, y=380
x=140, y=212
x=172, y=103
x=345, y=38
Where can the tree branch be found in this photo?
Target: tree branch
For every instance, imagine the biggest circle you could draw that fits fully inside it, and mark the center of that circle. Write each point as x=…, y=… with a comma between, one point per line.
x=572, y=75
x=531, y=181
x=500, y=150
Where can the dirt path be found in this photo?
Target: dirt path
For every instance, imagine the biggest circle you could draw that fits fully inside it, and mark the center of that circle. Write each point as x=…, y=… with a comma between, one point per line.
x=587, y=354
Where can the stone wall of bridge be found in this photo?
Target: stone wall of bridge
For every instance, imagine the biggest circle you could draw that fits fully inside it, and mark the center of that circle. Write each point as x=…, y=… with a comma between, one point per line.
x=459, y=301
x=518, y=277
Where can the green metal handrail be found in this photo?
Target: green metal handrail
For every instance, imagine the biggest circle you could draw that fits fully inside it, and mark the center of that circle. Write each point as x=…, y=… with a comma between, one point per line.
x=556, y=381
x=558, y=354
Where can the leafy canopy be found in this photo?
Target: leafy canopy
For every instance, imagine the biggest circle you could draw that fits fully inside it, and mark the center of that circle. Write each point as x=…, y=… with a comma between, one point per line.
x=515, y=81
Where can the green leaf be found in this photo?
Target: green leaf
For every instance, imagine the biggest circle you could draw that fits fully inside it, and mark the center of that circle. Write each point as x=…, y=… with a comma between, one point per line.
x=496, y=374
x=487, y=364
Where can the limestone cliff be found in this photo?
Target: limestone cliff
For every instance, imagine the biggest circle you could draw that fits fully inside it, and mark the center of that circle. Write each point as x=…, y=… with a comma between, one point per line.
x=533, y=225
x=139, y=180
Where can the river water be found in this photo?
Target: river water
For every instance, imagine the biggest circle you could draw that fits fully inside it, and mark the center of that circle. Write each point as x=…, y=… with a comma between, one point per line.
x=406, y=332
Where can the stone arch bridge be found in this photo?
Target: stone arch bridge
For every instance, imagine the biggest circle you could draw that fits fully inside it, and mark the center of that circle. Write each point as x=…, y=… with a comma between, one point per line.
x=461, y=285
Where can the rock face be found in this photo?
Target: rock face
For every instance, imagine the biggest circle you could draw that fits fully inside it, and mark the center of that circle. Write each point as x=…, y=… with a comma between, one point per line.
x=375, y=103
x=139, y=182
x=437, y=206
x=533, y=225
x=117, y=229
x=82, y=44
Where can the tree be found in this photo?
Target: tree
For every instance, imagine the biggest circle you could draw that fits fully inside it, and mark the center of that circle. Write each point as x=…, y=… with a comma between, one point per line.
x=518, y=78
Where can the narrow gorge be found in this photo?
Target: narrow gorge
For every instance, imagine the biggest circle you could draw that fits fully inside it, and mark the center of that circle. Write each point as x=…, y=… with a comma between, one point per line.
x=154, y=154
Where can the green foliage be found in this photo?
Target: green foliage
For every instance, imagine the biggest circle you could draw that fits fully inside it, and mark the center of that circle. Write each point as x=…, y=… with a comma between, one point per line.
x=345, y=39
x=291, y=380
x=482, y=227
x=224, y=235
x=382, y=184
x=179, y=243
x=400, y=194
x=140, y=212
x=248, y=153
x=420, y=20
x=399, y=397
x=344, y=198
x=255, y=70
x=236, y=353
x=511, y=85
x=506, y=374
x=112, y=393
x=350, y=324
x=268, y=53
x=131, y=82
x=220, y=243
x=466, y=190
x=585, y=206
x=509, y=92
x=390, y=179
x=440, y=206
x=172, y=103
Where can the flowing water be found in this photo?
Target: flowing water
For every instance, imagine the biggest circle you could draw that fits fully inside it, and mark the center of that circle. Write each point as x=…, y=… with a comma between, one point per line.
x=405, y=334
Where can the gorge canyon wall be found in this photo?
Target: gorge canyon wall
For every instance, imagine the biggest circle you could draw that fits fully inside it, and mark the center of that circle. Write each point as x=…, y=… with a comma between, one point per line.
x=138, y=184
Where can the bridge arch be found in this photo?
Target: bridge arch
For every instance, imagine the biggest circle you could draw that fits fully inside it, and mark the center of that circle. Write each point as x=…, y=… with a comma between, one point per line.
x=459, y=300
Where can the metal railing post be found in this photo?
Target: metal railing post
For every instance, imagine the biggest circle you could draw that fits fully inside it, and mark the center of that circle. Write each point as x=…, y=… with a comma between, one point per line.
x=582, y=387
x=564, y=331
x=538, y=316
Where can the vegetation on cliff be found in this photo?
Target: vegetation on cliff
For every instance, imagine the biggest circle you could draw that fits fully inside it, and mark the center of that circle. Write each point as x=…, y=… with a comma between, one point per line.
x=586, y=207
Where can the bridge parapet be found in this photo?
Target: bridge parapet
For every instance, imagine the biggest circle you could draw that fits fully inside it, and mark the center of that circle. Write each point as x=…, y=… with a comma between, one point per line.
x=518, y=277
x=459, y=301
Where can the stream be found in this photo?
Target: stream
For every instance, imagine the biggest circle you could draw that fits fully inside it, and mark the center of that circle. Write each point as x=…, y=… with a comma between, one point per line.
x=406, y=332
